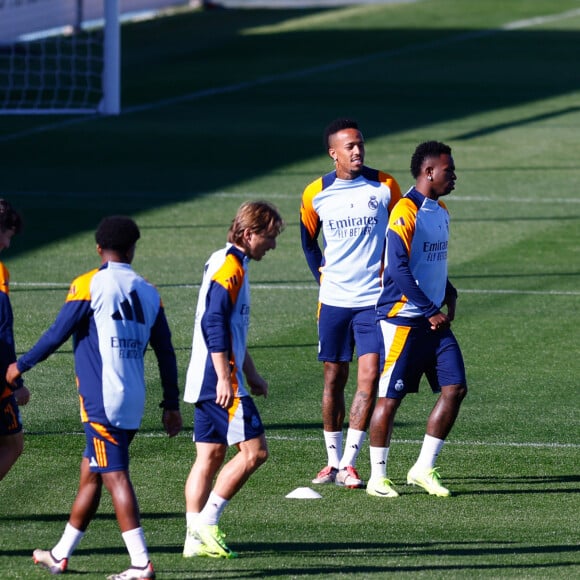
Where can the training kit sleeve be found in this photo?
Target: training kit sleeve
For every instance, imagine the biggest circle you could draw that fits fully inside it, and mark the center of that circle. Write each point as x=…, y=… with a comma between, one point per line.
x=352, y=216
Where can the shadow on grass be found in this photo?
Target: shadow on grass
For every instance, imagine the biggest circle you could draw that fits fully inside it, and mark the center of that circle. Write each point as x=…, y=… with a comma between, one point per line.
x=325, y=549
x=513, y=124
x=351, y=549
x=311, y=553
x=543, y=485
x=209, y=86
x=365, y=571
x=526, y=479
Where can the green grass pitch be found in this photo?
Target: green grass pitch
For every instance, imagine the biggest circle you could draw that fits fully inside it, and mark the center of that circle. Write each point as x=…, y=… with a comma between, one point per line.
x=228, y=105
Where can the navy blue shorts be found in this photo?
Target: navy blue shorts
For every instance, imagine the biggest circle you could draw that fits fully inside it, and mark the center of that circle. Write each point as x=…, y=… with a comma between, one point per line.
x=340, y=329
x=214, y=424
x=408, y=353
x=107, y=447
x=10, y=422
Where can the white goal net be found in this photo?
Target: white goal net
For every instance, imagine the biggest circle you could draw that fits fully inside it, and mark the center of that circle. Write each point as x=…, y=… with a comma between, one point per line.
x=63, y=56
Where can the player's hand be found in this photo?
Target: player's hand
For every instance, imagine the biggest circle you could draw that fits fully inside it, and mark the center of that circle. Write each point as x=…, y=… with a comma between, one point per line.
x=224, y=394
x=22, y=396
x=172, y=422
x=258, y=386
x=439, y=321
x=12, y=374
x=451, y=304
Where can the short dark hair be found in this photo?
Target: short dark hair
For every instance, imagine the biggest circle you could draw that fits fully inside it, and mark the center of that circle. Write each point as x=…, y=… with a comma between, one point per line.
x=10, y=219
x=336, y=126
x=425, y=151
x=117, y=232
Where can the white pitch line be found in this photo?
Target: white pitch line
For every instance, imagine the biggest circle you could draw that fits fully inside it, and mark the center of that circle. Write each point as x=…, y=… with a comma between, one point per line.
x=528, y=444
x=457, y=197
x=496, y=200
x=539, y=20
x=460, y=290
x=515, y=444
x=312, y=287
x=531, y=292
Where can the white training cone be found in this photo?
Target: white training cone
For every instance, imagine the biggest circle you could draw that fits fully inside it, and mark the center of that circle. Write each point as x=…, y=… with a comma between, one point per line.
x=303, y=493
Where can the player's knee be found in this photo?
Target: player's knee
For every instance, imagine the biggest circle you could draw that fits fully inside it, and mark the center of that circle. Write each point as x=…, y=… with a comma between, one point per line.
x=335, y=376
x=257, y=458
x=455, y=393
x=368, y=378
x=262, y=456
x=367, y=387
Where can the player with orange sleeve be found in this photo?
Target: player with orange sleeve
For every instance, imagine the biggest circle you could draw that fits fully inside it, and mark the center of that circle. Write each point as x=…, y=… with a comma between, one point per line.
x=11, y=396
x=348, y=208
x=220, y=367
x=414, y=315
x=113, y=314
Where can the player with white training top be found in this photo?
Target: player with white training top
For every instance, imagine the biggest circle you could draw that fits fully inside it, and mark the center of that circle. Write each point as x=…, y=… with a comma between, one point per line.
x=350, y=207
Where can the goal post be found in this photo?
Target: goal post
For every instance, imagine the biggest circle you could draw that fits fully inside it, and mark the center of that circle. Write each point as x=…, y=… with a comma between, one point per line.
x=60, y=57
x=64, y=56
x=111, y=101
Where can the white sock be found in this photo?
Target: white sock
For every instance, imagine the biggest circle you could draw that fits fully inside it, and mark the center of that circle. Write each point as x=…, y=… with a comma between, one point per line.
x=379, y=458
x=429, y=452
x=190, y=521
x=191, y=542
x=352, y=447
x=68, y=542
x=213, y=509
x=136, y=546
x=333, y=441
